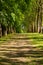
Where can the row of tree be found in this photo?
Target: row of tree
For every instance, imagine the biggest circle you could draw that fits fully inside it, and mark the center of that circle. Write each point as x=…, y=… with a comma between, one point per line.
x=20, y=16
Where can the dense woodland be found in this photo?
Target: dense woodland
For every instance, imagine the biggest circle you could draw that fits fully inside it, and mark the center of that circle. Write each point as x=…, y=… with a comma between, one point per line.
x=20, y=16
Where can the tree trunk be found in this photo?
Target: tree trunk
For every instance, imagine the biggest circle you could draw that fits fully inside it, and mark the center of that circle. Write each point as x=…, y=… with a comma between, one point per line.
x=39, y=17
x=4, y=30
x=0, y=31
x=11, y=29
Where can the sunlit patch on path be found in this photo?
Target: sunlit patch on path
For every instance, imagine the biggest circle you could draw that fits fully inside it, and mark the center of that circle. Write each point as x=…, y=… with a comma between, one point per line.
x=21, y=52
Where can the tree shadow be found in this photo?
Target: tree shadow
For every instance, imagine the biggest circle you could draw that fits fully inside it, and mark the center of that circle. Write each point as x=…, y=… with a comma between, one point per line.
x=18, y=62
x=29, y=53
x=25, y=53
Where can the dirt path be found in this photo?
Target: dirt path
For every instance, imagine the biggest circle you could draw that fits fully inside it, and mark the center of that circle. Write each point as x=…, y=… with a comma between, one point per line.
x=20, y=52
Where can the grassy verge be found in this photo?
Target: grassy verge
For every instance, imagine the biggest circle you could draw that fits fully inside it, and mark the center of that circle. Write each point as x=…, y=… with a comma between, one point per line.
x=35, y=37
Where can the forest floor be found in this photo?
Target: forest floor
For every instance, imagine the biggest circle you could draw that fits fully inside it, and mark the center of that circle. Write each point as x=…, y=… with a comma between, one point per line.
x=21, y=49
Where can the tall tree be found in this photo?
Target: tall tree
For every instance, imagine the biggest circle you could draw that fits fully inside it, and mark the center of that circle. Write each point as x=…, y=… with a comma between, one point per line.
x=39, y=17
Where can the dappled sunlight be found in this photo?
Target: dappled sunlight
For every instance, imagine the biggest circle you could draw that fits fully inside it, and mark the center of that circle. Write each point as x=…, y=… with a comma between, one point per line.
x=21, y=32
x=23, y=51
x=23, y=55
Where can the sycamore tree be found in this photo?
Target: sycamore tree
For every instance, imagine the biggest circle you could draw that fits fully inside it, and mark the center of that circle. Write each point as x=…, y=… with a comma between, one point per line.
x=18, y=15
x=30, y=16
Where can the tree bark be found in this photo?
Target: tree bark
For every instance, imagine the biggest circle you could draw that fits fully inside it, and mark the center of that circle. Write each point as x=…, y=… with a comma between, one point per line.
x=0, y=31
x=4, y=30
x=39, y=17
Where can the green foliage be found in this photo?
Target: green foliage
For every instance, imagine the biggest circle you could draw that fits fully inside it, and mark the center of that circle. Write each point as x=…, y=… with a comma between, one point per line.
x=17, y=13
